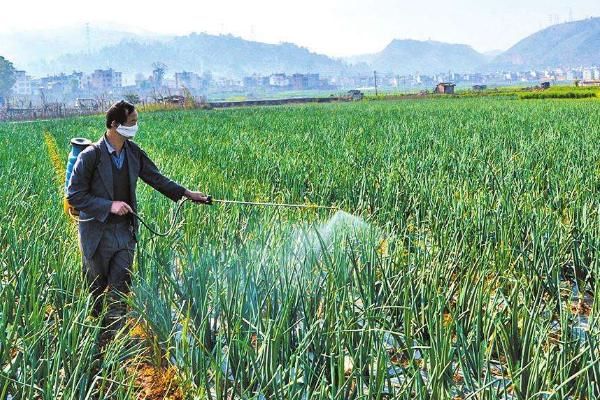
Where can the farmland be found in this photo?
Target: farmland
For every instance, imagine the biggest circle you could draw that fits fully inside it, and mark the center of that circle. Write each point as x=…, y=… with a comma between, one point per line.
x=472, y=274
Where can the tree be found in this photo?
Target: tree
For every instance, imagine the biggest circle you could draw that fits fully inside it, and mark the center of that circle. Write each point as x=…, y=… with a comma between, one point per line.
x=7, y=78
x=132, y=98
x=158, y=73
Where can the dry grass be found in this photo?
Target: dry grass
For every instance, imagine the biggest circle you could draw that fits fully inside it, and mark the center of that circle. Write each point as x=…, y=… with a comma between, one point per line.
x=54, y=155
x=156, y=382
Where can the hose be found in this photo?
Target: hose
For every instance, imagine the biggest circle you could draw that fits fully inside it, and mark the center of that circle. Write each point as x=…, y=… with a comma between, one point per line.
x=77, y=219
x=172, y=226
x=154, y=232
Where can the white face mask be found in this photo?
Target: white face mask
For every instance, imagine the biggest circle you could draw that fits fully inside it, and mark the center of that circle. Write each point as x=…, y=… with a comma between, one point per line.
x=127, y=131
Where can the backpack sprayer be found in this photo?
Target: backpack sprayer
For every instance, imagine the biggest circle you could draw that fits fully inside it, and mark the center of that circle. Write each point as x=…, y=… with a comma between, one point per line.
x=79, y=144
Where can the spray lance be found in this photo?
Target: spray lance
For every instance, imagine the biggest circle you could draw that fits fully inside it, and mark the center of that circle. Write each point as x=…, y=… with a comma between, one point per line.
x=79, y=144
x=211, y=201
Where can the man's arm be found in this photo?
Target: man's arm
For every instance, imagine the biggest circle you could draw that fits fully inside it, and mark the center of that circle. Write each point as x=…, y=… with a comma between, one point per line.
x=78, y=191
x=152, y=176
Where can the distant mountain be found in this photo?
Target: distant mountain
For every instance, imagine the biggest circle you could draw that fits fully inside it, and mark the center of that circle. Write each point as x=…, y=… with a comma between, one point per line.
x=490, y=55
x=426, y=57
x=33, y=50
x=198, y=52
x=570, y=44
x=72, y=48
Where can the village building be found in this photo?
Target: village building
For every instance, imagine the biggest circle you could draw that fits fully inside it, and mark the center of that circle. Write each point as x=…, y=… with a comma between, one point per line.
x=190, y=81
x=279, y=80
x=22, y=85
x=590, y=83
x=254, y=81
x=445, y=88
x=107, y=80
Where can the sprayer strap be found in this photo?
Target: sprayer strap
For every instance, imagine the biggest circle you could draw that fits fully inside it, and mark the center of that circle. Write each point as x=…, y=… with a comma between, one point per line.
x=97, y=161
x=97, y=151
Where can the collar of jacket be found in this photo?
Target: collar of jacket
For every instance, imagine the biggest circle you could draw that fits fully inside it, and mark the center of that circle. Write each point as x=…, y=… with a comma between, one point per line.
x=105, y=167
x=110, y=147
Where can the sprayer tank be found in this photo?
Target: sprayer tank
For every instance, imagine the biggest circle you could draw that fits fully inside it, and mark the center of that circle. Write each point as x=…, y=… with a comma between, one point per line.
x=77, y=146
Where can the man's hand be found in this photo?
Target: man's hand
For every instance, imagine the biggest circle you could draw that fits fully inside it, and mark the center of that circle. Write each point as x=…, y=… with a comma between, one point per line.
x=120, y=208
x=197, y=197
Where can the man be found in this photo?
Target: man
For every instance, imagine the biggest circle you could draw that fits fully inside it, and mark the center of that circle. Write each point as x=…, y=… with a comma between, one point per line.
x=103, y=190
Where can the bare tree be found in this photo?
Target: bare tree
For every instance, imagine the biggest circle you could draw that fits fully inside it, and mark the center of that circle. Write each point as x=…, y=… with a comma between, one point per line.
x=158, y=72
x=43, y=98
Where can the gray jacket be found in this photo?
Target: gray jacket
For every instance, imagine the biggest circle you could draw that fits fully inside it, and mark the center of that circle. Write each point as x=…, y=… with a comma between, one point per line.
x=91, y=191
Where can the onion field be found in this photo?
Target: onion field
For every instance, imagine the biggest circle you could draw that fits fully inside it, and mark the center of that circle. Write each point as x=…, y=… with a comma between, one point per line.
x=462, y=265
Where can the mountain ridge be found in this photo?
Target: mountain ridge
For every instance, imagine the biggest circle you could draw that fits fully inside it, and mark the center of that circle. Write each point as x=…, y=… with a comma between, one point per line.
x=570, y=44
x=406, y=56
x=198, y=52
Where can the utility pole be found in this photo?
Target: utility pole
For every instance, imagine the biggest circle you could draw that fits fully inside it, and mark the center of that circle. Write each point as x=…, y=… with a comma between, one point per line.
x=375, y=76
x=87, y=38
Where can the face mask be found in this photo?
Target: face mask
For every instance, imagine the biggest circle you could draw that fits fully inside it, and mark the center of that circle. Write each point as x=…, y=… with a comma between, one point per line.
x=127, y=131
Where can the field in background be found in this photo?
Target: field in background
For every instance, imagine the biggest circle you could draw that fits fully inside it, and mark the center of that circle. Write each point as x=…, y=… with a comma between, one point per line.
x=522, y=92
x=476, y=278
x=529, y=93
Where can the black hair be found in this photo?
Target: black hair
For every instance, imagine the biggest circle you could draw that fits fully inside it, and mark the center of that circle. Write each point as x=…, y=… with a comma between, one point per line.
x=119, y=112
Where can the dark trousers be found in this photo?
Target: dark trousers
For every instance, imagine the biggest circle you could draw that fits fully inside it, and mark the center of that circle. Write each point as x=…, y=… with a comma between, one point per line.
x=110, y=268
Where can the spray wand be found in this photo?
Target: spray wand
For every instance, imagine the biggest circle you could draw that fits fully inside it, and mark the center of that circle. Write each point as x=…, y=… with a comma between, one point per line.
x=262, y=204
x=211, y=201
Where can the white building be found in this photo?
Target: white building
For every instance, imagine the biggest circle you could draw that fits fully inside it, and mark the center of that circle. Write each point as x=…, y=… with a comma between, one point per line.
x=588, y=75
x=190, y=80
x=279, y=80
x=570, y=75
x=105, y=80
x=22, y=86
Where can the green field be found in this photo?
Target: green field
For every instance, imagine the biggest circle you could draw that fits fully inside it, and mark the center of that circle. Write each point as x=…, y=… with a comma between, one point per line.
x=469, y=272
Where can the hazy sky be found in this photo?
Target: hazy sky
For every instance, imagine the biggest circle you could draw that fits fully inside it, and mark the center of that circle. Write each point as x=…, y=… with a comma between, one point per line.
x=333, y=27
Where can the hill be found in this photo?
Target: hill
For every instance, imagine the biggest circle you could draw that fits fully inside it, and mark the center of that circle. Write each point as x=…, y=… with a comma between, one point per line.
x=198, y=52
x=34, y=51
x=427, y=57
x=569, y=44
